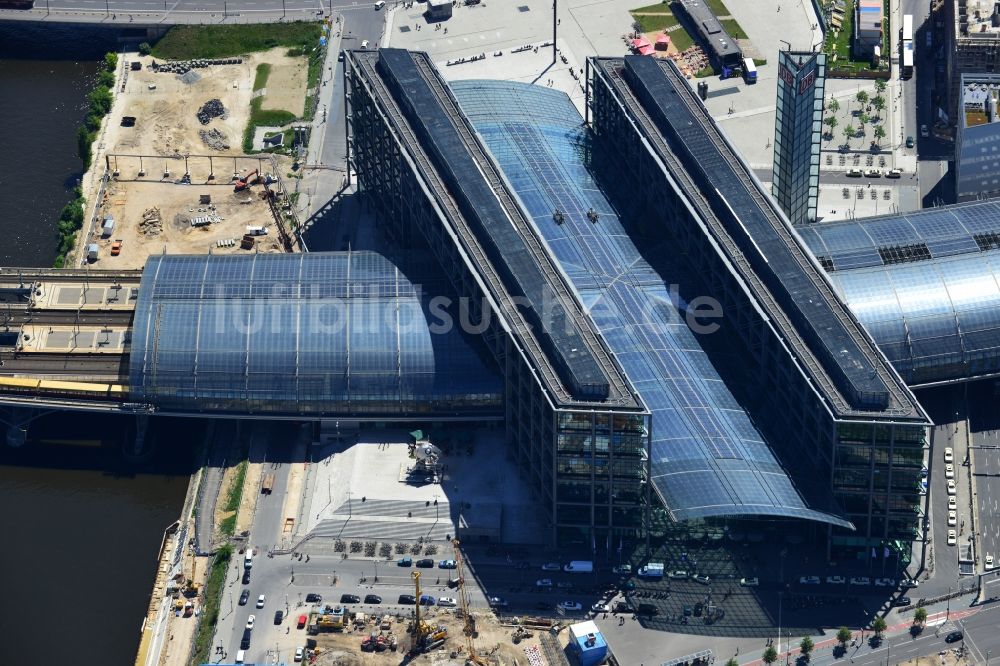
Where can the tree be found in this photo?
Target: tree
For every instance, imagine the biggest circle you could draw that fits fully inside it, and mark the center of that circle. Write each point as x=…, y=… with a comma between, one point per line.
x=843, y=635
x=880, y=86
x=110, y=61
x=833, y=106
x=145, y=48
x=862, y=97
x=849, y=132
x=920, y=615
x=879, y=133
x=878, y=625
x=770, y=655
x=831, y=122
x=863, y=119
x=878, y=102
x=806, y=647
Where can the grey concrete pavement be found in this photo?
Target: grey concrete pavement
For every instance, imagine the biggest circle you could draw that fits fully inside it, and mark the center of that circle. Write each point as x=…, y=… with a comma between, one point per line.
x=170, y=12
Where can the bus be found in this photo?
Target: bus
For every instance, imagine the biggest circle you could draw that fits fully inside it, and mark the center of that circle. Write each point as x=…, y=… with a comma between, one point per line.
x=906, y=48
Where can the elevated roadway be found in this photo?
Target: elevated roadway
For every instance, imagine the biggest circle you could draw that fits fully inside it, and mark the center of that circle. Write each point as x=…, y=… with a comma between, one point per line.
x=166, y=13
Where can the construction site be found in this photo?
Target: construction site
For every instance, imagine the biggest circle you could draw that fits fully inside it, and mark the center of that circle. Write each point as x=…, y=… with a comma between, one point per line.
x=176, y=176
x=236, y=211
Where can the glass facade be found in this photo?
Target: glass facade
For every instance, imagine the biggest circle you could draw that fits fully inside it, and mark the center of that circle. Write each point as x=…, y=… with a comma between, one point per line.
x=977, y=151
x=925, y=284
x=797, y=131
x=321, y=334
x=707, y=456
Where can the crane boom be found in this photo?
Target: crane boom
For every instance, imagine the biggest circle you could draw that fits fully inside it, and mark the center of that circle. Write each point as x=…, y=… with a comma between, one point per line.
x=463, y=600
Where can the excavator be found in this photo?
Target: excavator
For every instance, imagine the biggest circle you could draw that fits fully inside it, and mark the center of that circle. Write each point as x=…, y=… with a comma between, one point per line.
x=246, y=181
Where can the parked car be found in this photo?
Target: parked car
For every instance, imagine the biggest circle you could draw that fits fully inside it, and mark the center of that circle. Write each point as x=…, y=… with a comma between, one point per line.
x=952, y=518
x=909, y=142
x=407, y=599
x=894, y=173
x=260, y=601
x=447, y=602
x=861, y=580
x=601, y=608
x=952, y=537
x=571, y=605
x=279, y=616
x=679, y=574
x=427, y=600
x=836, y=580
x=949, y=454
x=447, y=564
x=810, y=580
x=622, y=569
x=855, y=173
x=497, y=602
x=244, y=597
x=298, y=654
x=364, y=44
x=703, y=579
x=246, y=576
x=949, y=471
x=907, y=583
x=873, y=173
x=952, y=488
x=404, y=562
x=902, y=601
x=373, y=599
x=564, y=585
x=350, y=599
x=924, y=132
x=543, y=582
x=989, y=561
x=250, y=621
x=954, y=637
x=551, y=566
x=425, y=563
x=313, y=598
x=749, y=582
x=885, y=582
x=952, y=502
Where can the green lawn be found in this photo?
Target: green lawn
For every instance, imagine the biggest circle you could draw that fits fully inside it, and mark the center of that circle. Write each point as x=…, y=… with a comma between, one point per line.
x=733, y=28
x=655, y=22
x=718, y=7
x=260, y=78
x=221, y=41
x=681, y=39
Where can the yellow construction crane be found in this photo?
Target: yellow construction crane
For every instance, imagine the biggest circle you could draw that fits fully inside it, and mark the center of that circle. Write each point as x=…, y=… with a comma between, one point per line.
x=420, y=628
x=463, y=599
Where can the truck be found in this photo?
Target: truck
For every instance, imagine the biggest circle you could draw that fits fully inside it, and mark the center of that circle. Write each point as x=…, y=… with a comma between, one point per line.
x=749, y=71
x=651, y=570
x=267, y=485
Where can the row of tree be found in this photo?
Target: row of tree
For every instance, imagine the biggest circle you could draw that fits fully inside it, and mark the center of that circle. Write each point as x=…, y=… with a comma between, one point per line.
x=844, y=634
x=865, y=103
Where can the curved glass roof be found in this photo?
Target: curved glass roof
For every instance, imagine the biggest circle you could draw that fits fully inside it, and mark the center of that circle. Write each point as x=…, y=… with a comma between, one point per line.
x=925, y=284
x=708, y=458
x=341, y=334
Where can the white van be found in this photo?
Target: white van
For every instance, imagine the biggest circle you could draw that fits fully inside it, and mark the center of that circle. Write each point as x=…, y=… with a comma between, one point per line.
x=248, y=560
x=579, y=566
x=379, y=5
x=240, y=656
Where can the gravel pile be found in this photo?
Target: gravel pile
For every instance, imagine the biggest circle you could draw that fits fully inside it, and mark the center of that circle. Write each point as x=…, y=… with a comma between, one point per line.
x=214, y=139
x=211, y=109
x=152, y=223
x=190, y=77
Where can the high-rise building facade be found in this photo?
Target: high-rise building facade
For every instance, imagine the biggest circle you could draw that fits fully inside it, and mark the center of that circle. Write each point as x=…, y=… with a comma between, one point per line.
x=797, y=129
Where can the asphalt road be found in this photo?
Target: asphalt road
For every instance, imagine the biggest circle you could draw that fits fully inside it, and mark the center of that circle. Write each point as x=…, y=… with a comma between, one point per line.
x=294, y=8
x=985, y=430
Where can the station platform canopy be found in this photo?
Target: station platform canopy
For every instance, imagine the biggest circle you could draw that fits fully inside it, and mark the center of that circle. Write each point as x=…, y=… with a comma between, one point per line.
x=344, y=334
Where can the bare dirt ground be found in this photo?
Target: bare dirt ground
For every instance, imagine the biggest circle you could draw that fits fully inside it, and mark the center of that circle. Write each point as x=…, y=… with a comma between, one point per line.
x=286, y=85
x=136, y=205
x=493, y=643
x=166, y=121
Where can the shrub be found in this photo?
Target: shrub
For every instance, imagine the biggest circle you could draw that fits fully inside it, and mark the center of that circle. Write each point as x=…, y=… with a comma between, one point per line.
x=100, y=100
x=106, y=79
x=145, y=49
x=83, y=141
x=110, y=61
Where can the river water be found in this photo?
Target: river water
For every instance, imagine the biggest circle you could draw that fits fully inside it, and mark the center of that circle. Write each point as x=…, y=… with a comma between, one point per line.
x=81, y=525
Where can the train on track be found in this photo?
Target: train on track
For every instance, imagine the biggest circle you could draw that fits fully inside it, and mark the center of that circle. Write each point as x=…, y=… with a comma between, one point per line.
x=46, y=388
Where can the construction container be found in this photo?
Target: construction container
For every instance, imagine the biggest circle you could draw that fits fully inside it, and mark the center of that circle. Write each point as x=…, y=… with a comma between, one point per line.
x=92, y=252
x=108, y=227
